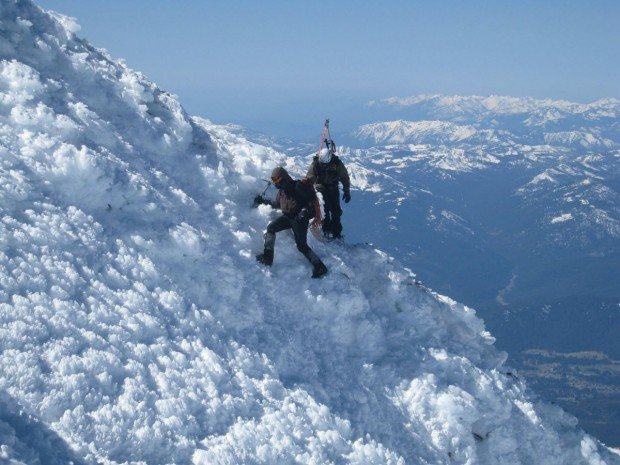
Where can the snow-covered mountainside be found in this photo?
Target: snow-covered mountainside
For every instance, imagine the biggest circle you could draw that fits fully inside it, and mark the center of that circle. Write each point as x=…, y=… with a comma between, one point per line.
x=136, y=326
x=511, y=205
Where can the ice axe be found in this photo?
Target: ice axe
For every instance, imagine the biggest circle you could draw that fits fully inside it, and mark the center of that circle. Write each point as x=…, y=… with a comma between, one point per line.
x=255, y=204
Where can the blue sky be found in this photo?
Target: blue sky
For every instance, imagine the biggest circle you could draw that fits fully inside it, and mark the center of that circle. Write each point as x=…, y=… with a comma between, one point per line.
x=279, y=66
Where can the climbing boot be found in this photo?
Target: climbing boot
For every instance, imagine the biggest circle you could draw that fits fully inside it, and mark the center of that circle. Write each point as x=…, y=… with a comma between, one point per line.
x=266, y=258
x=318, y=267
x=319, y=270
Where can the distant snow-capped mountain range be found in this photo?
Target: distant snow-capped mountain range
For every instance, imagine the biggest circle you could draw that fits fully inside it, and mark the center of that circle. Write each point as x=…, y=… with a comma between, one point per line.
x=564, y=153
x=416, y=132
x=532, y=112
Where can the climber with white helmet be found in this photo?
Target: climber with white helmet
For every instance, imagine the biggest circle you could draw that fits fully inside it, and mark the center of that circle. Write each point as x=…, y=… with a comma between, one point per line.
x=326, y=172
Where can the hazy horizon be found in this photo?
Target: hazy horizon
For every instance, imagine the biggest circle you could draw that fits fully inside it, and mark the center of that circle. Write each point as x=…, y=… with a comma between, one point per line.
x=283, y=67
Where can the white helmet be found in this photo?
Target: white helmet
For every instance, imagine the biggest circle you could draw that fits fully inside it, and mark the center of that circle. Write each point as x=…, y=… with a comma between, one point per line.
x=325, y=155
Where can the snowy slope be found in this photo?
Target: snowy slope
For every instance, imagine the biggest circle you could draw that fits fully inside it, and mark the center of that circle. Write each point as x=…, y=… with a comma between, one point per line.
x=513, y=206
x=136, y=326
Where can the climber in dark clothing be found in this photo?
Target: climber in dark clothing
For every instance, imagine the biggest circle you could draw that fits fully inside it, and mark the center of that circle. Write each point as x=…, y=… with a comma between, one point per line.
x=298, y=203
x=326, y=171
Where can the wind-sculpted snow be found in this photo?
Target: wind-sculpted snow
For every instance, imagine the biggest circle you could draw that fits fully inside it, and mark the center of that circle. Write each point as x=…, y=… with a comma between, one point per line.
x=136, y=326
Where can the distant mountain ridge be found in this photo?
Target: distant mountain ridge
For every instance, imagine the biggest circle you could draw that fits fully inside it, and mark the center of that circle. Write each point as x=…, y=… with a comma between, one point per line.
x=535, y=112
x=415, y=132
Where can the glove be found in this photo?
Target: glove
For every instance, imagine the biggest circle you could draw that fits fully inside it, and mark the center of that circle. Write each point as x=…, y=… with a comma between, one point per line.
x=259, y=200
x=304, y=215
x=346, y=197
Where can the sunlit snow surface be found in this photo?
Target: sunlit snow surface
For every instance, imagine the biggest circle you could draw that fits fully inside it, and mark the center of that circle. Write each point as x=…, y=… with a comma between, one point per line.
x=137, y=327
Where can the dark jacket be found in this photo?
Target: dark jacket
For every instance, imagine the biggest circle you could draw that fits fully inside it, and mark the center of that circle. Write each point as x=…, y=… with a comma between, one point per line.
x=294, y=197
x=327, y=175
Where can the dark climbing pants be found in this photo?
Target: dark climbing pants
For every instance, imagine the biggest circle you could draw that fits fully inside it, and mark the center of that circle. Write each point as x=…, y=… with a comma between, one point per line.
x=333, y=212
x=300, y=231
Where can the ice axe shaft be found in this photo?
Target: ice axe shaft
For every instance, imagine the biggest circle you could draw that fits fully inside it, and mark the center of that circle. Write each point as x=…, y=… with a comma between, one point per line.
x=268, y=186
